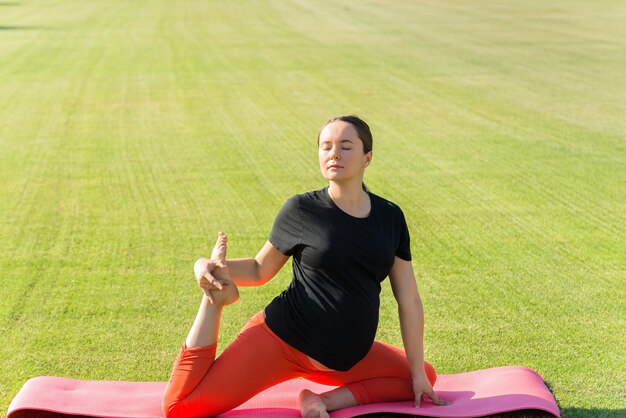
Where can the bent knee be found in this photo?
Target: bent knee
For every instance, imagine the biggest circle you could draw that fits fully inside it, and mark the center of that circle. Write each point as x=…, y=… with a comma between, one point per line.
x=170, y=410
x=176, y=408
x=173, y=408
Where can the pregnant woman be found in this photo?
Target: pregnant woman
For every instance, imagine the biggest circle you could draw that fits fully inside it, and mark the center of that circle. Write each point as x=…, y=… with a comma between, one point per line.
x=344, y=241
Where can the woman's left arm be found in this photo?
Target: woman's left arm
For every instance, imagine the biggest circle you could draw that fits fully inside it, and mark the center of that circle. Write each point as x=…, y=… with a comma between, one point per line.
x=411, y=314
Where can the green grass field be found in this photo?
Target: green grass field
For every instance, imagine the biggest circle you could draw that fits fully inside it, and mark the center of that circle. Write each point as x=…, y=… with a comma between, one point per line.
x=131, y=132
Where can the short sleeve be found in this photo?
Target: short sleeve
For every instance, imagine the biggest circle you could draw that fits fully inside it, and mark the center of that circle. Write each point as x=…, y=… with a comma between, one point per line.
x=286, y=232
x=404, y=240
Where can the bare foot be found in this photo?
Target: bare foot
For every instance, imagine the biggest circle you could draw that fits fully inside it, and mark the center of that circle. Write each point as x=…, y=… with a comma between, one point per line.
x=219, y=250
x=229, y=292
x=312, y=405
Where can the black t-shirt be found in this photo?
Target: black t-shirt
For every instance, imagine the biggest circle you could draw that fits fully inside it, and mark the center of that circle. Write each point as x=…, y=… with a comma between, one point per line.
x=330, y=309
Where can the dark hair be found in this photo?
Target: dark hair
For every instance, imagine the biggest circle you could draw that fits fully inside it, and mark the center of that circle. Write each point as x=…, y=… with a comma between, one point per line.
x=362, y=131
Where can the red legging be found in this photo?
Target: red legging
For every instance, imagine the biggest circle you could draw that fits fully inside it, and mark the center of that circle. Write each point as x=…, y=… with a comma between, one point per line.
x=201, y=385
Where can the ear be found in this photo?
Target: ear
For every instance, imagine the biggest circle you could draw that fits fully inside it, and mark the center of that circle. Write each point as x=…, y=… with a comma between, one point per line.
x=368, y=159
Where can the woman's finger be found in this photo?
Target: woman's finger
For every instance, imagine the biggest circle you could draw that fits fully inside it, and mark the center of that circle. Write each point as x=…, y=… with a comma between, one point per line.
x=209, y=295
x=220, y=264
x=418, y=399
x=212, y=264
x=204, y=283
x=436, y=399
x=213, y=281
x=206, y=289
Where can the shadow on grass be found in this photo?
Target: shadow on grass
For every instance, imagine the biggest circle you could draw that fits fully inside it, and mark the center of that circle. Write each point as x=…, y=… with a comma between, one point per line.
x=595, y=413
x=21, y=27
x=8, y=3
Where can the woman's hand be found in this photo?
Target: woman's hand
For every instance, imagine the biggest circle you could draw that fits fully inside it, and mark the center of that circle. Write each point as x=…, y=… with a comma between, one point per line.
x=203, y=270
x=422, y=387
x=212, y=275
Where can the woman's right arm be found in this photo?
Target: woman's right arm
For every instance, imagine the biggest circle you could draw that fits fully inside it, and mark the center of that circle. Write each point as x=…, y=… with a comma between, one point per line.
x=258, y=270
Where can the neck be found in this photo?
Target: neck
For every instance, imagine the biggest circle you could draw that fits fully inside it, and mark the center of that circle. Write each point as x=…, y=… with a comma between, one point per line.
x=350, y=193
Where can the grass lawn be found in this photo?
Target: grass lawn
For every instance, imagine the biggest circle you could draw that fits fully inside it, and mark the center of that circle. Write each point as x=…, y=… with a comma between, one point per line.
x=132, y=131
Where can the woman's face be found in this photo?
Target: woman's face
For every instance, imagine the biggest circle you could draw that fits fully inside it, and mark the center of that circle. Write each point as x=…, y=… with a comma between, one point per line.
x=341, y=153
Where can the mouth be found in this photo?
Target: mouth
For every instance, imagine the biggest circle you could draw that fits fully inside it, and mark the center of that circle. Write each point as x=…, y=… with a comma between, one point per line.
x=334, y=166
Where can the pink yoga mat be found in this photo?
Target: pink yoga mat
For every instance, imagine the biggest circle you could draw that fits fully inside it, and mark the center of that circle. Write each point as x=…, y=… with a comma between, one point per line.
x=472, y=394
